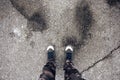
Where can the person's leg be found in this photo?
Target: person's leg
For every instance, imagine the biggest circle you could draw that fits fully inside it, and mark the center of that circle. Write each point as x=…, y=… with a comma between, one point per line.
x=49, y=69
x=71, y=73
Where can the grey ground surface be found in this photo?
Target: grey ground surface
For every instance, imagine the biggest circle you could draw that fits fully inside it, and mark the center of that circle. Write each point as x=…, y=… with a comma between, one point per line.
x=27, y=27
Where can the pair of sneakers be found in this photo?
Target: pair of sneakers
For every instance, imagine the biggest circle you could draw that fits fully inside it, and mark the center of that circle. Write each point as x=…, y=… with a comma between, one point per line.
x=51, y=53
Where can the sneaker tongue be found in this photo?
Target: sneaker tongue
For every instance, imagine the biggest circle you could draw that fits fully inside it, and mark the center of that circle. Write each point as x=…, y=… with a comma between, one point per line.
x=50, y=50
x=51, y=56
x=69, y=56
x=68, y=51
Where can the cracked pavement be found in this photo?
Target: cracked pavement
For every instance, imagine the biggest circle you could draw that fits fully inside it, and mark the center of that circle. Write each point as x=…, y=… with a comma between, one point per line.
x=105, y=57
x=28, y=27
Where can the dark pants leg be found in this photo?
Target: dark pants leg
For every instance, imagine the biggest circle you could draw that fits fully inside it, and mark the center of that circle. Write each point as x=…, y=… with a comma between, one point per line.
x=70, y=72
x=48, y=71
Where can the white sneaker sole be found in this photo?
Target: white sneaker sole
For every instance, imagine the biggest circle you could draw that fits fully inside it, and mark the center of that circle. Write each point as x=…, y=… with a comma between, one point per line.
x=69, y=47
x=50, y=47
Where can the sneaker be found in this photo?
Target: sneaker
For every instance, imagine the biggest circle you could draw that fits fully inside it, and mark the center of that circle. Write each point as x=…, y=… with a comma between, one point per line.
x=69, y=52
x=50, y=53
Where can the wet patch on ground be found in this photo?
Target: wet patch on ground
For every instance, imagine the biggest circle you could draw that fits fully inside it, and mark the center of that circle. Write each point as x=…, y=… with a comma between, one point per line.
x=84, y=19
x=113, y=2
x=20, y=8
x=71, y=40
x=36, y=20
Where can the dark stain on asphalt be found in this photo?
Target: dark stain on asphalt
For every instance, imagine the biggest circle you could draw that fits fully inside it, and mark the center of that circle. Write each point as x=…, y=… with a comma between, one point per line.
x=19, y=8
x=71, y=40
x=36, y=22
x=113, y=2
x=84, y=19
